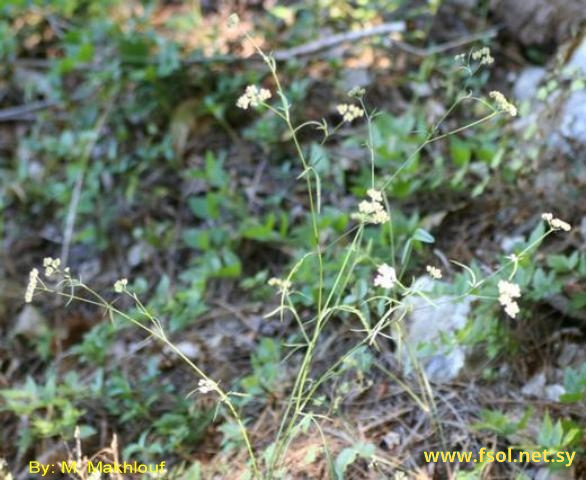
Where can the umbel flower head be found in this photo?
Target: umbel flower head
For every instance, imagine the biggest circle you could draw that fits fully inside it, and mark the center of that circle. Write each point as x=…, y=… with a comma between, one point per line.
x=386, y=278
x=205, y=385
x=233, y=20
x=503, y=104
x=51, y=265
x=33, y=280
x=253, y=97
x=483, y=56
x=556, y=223
x=356, y=92
x=120, y=285
x=434, y=272
x=372, y=210
x=507, y=293
x=282, y=285
x=4, y=474
x=349, y=112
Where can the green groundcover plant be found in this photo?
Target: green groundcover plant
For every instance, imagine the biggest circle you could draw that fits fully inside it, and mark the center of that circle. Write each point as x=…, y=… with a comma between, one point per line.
x=379, y=313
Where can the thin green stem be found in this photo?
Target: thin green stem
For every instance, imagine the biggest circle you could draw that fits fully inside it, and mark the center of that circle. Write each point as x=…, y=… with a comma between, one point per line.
x=159, y=333
x=430, y=138
x=301, y=379
x=370, y=141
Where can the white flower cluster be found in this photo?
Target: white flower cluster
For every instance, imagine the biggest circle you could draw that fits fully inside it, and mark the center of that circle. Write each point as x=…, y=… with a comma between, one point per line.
x=372, y=211
x=233, y=20
x=434, y=272
x=356, y=92
x=386, y=278
x=253, y=97
x=282, y=285
x=51, y=265
x=120, y=285
x=507, y=293
x=483, y=56
x=556, y=223
x=349, y=112
x=206, y=385
x=503, y=104
x=4, y=474
x=33, y=280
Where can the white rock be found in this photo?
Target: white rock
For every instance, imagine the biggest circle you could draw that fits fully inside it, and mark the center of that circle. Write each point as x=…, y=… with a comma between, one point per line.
x=583, y=228
x=30, y=322
x=392, y=439
x=578, y=60
x=570, y=136
x=356, y=77
x=534, y=387
x=508, y=244
x=573, y=120
x=554, y=392
x=430, y=335
x=548, y=474
x=189, y=349
x=527, y=83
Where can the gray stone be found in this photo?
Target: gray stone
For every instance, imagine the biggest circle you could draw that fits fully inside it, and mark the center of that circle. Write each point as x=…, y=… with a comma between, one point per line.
x=573, y=119
x=527, y=83
x=578, y=59
x=430, y=334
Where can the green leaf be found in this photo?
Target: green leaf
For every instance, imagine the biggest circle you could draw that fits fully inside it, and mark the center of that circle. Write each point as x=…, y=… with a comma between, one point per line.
x=498, y=422
x=460, y=152
x=563, y=263
x=194, y=472
x=85, y=53
x=578, y=301
x=286, y=14
x=402, y=187
x=231, y=266
x=65, y=65
x=423, y=236
x=557, y=435
x=215, y=173
x=206, y=208
x=544, y=284
x=168, y=58
x=86, y=431
x=406, y=252
x=134, y=50
x=574, y=384
x=319, y=159
x=487, y=153
x=348, y=456
x=197, y=238
x=344, y=459
x=260, y=232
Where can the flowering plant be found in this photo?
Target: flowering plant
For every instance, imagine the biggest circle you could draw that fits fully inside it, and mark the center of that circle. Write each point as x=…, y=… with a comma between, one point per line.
x=389, y=292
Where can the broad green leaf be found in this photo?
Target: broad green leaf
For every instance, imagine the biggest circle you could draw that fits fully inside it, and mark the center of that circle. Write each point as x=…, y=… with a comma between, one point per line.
x=197, y=238
x=423, y=236
x=460, y=151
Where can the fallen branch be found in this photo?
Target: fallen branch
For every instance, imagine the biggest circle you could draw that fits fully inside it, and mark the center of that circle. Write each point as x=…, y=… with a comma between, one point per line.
x=325, y=43
x=23, y=112
x=76, y=195
x=443, y=47
x=27, y=112
x=306, y=49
